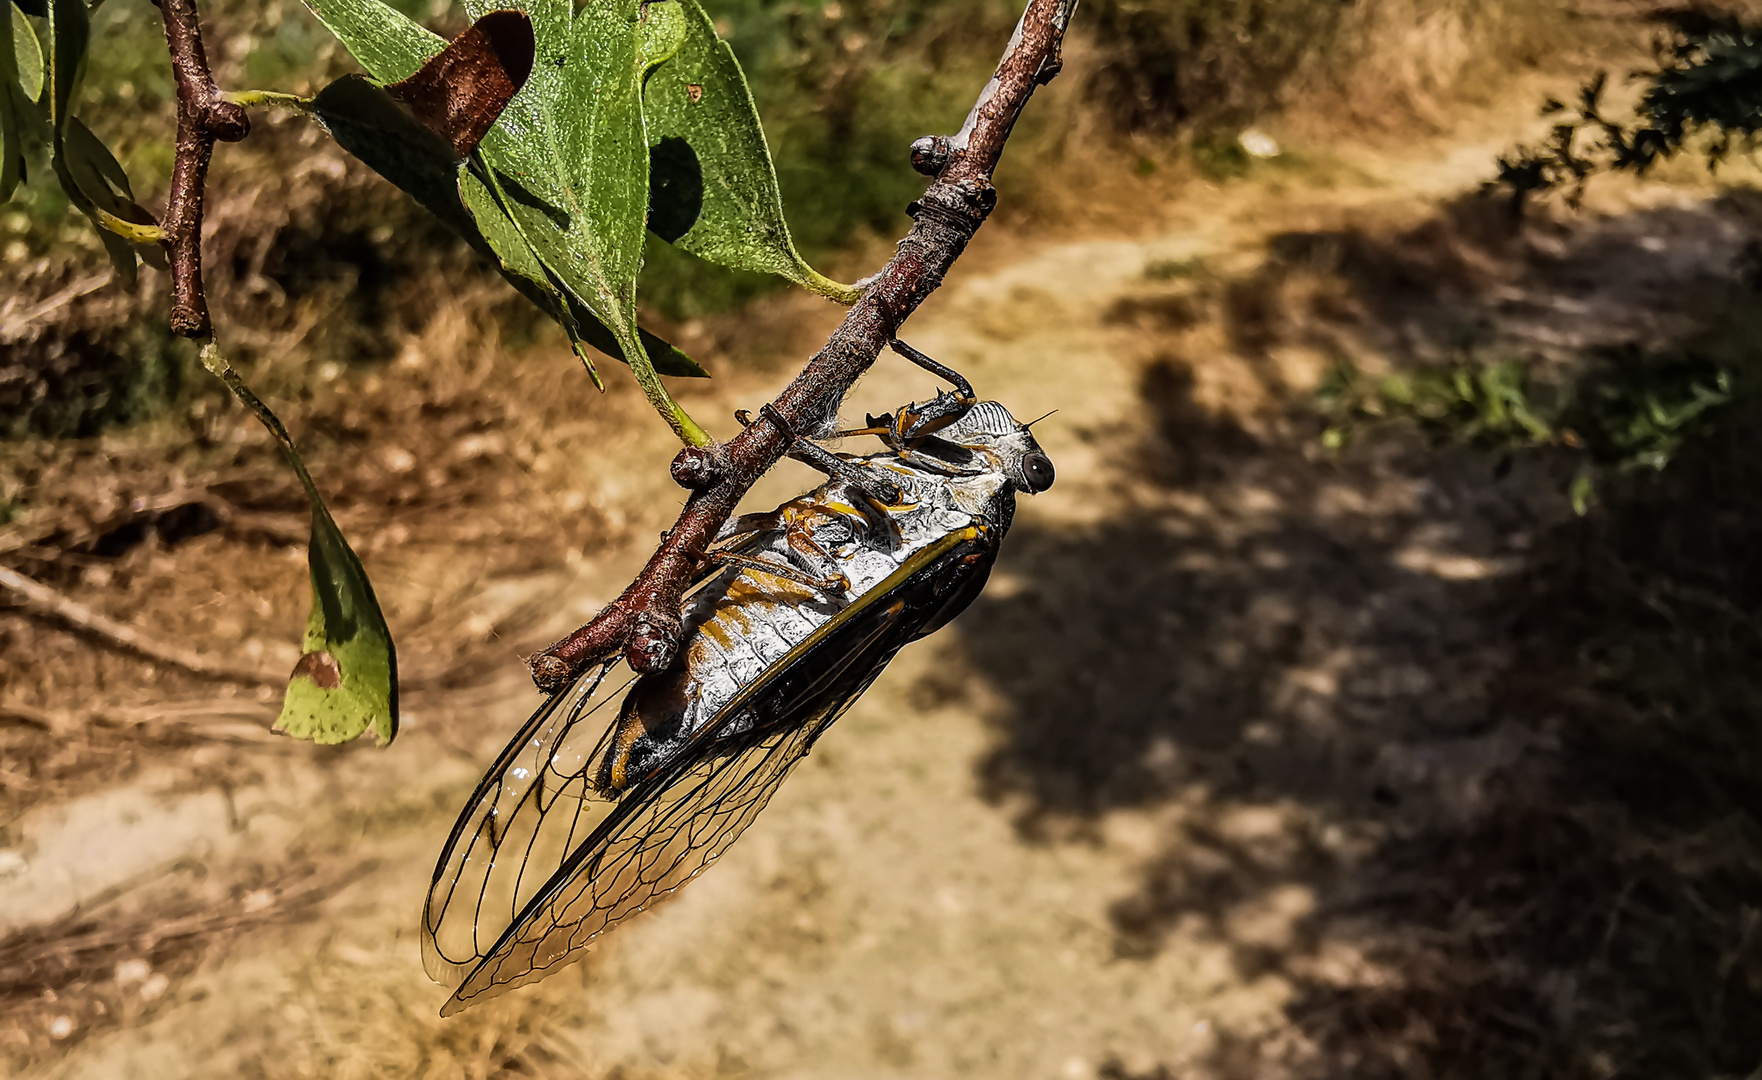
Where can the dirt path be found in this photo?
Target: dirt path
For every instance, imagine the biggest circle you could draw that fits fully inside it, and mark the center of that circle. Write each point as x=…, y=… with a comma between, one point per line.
x=1107, y=825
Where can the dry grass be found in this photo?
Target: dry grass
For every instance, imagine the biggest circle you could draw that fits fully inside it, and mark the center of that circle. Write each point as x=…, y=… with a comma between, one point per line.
x=111, y=962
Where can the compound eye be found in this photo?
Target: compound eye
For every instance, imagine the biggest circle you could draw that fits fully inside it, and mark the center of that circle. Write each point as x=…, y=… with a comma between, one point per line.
x=1037, y=470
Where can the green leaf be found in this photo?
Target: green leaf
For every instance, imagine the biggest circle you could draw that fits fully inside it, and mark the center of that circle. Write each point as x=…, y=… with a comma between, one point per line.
x=81, y=162
x=714, y=188
x=538, y=191
x=109, y=200
x=346, y=683
x=523, y=269
x=568, y=162
x=70, y=31
x=12, y=156
x=100, y=176
x=369, y=124
x=27, y=55
x=663, y=32
x=378, y=36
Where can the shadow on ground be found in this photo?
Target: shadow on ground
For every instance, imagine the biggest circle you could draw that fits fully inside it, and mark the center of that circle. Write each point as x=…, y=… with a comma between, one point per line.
x=1497, y=766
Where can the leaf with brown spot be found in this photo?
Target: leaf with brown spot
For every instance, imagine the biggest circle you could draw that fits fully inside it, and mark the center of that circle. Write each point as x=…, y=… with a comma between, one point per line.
x=381, y=131
x=321, y=668
x=346, y=684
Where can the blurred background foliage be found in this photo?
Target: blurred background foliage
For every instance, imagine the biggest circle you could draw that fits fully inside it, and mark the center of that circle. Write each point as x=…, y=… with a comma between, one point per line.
x=308, y=248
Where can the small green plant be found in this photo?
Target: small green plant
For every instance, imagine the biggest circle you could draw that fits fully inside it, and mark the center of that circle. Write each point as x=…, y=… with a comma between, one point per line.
x=1488, y=405
x=1630, y=411
x=1638, y=412
x=1705, y=89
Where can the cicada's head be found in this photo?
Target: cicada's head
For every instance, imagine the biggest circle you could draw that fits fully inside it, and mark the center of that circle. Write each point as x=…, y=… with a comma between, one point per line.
x=1000, y=444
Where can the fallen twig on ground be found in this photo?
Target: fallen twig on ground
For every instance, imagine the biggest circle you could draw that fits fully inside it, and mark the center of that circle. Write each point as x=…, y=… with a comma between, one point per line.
x=43, y=600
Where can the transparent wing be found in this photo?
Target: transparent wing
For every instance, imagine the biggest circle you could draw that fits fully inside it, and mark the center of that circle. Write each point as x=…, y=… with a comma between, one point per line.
x=533, y=818
x=665, y=830
x=678, y=820
x=534, y=805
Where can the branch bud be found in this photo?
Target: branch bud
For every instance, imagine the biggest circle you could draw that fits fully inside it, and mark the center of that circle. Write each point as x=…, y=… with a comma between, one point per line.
x=696, y=468
x=653, y=645
x=930, y=154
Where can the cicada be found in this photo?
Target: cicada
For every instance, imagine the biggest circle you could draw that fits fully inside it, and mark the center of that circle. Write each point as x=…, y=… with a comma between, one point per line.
x=615, y=794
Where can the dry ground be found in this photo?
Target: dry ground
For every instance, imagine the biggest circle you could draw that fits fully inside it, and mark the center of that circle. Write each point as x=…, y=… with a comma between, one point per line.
x=1253, y=760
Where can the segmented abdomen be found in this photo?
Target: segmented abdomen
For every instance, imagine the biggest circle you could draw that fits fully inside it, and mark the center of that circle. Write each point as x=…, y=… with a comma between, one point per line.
x=749, y=626
x=743, y=620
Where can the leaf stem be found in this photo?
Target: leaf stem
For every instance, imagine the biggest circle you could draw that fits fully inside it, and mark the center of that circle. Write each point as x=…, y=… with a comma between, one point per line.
x=128, y=230
x=255, y=98
x=217, y=364
x=650, y=380
x=836, y=291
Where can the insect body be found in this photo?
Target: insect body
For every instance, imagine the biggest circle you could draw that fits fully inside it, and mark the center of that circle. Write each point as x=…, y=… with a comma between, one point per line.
x=583, y=821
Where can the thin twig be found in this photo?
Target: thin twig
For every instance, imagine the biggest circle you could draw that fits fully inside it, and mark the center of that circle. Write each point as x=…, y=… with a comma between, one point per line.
x=218, y=720
x=43, y=600
x=644, y=621
x=31, y=716
x=13, y=327
x=204, y=115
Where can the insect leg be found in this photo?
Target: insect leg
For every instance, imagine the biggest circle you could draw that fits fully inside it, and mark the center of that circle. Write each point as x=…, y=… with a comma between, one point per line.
x=613, y=775
x=870, y=481
x=802, y=542
x=913, y=422
x=963, y=389
x=830, y=583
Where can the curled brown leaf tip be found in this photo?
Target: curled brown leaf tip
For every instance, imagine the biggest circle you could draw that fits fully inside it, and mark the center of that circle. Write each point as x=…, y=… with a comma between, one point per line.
x=461, y=91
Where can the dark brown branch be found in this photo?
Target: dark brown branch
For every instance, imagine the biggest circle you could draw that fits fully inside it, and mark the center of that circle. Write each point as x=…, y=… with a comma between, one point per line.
x=644, y=620
x=204, y=116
